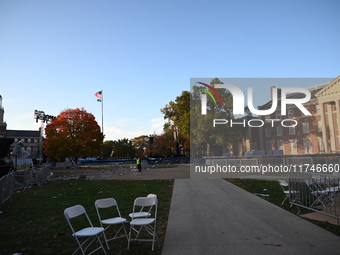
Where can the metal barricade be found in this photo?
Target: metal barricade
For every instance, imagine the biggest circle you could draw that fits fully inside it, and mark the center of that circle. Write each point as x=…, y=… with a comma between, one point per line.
x=316, y=192
x=6, y=187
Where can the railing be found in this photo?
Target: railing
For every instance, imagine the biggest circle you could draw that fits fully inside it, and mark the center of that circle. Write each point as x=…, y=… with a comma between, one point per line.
x=318, y=192
x=6, y=187
x=22, y=179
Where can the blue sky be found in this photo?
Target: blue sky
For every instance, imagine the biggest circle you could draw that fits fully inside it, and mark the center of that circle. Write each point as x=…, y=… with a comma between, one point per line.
x=56, y=54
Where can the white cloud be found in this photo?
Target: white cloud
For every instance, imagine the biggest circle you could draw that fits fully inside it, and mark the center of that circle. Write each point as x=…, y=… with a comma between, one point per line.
x=129, y=128
x=24, y=121
x=157, y=124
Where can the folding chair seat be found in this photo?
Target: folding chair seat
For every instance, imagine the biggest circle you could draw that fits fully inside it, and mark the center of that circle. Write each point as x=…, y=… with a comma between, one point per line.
x=143, y=213
x=142, y=228
x=288, y=192
x=84, y=236
x=109, y=205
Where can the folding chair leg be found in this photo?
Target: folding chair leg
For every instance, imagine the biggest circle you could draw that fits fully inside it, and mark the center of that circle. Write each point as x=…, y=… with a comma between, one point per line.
x=107, y=245
x=129, y=239
x=101, y=244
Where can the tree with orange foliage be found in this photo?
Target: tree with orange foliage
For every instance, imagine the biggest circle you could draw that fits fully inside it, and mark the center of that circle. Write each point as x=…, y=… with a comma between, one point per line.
x=74, y=133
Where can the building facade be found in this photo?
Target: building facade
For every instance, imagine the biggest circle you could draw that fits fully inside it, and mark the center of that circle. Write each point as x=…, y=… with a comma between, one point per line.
x=329, y=105
x=32, y=140
x=307, y=134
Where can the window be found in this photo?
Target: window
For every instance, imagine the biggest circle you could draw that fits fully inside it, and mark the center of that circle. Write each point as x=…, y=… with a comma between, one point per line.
x=240, y=149
x=279, y=131
x=307, y=145
x=269, y=146
x=320, y=144
x=291, y=113
x=292, y=130
x=305, y=127
x=29, y=140
x=319, y=126
x=278, y=115
x=268, y=132
x=293, y=146
x=35, y=140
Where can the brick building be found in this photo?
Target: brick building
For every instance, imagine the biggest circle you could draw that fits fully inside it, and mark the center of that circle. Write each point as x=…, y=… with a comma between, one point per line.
x=31, y=139
x=313, y=134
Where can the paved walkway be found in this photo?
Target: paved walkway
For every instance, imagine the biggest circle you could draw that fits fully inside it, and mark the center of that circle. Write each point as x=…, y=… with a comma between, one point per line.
x=213, y=216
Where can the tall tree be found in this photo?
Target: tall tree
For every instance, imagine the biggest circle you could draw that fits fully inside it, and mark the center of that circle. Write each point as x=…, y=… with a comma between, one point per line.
x=141, y=143
x=123, y=148
x=178, y=114
x=108, y=147
x=207, y=140
x=74, y=133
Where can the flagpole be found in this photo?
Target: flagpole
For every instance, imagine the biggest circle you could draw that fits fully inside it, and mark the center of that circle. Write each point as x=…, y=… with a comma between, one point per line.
x=102, y=112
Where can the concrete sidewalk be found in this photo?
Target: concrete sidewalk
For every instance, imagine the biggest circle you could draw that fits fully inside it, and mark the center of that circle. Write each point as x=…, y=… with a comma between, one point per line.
x=213, y=216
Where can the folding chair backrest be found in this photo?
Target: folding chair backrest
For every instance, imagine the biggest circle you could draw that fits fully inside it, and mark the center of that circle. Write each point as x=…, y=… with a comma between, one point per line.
x=74, y=211
x=145, y=201
x=283, y=183
x=105, y=203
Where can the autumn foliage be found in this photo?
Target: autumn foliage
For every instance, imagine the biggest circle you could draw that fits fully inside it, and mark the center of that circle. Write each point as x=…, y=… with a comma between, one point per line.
x=74, y=133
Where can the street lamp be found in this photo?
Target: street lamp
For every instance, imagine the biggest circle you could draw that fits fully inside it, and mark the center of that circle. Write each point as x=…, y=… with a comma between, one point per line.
x=44, y=118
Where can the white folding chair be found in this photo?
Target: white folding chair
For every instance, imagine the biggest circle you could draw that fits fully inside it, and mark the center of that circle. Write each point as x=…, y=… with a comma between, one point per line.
x=324, y=190
x=103, y=207
x=288, y=192
x=143, y=212
x=146, y=226
x=318, y=191
x=89, y=233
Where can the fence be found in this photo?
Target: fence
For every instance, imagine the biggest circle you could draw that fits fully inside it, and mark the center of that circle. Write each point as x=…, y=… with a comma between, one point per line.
x=318, y=192
x=6, y=187
x=22, y=179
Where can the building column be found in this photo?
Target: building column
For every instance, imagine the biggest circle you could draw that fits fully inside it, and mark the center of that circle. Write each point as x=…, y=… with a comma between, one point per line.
x=331, y=134
x=323, y=127
x=337, y=106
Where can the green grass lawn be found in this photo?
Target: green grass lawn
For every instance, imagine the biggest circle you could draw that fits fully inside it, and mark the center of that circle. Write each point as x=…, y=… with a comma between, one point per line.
x=33, y=222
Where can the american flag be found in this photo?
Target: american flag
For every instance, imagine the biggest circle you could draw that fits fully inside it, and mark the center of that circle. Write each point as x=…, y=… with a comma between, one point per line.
x=98, y=94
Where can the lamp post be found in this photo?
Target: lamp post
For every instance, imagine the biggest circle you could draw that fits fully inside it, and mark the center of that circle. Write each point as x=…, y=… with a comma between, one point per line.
x=44, y=118
x=152, y=138
x=176, y=130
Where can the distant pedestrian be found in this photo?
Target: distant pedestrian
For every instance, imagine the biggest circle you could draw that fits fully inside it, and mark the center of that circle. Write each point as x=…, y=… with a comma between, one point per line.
x=139, y=164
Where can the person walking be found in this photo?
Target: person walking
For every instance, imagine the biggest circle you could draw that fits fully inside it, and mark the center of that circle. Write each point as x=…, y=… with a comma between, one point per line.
x=139, y=164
